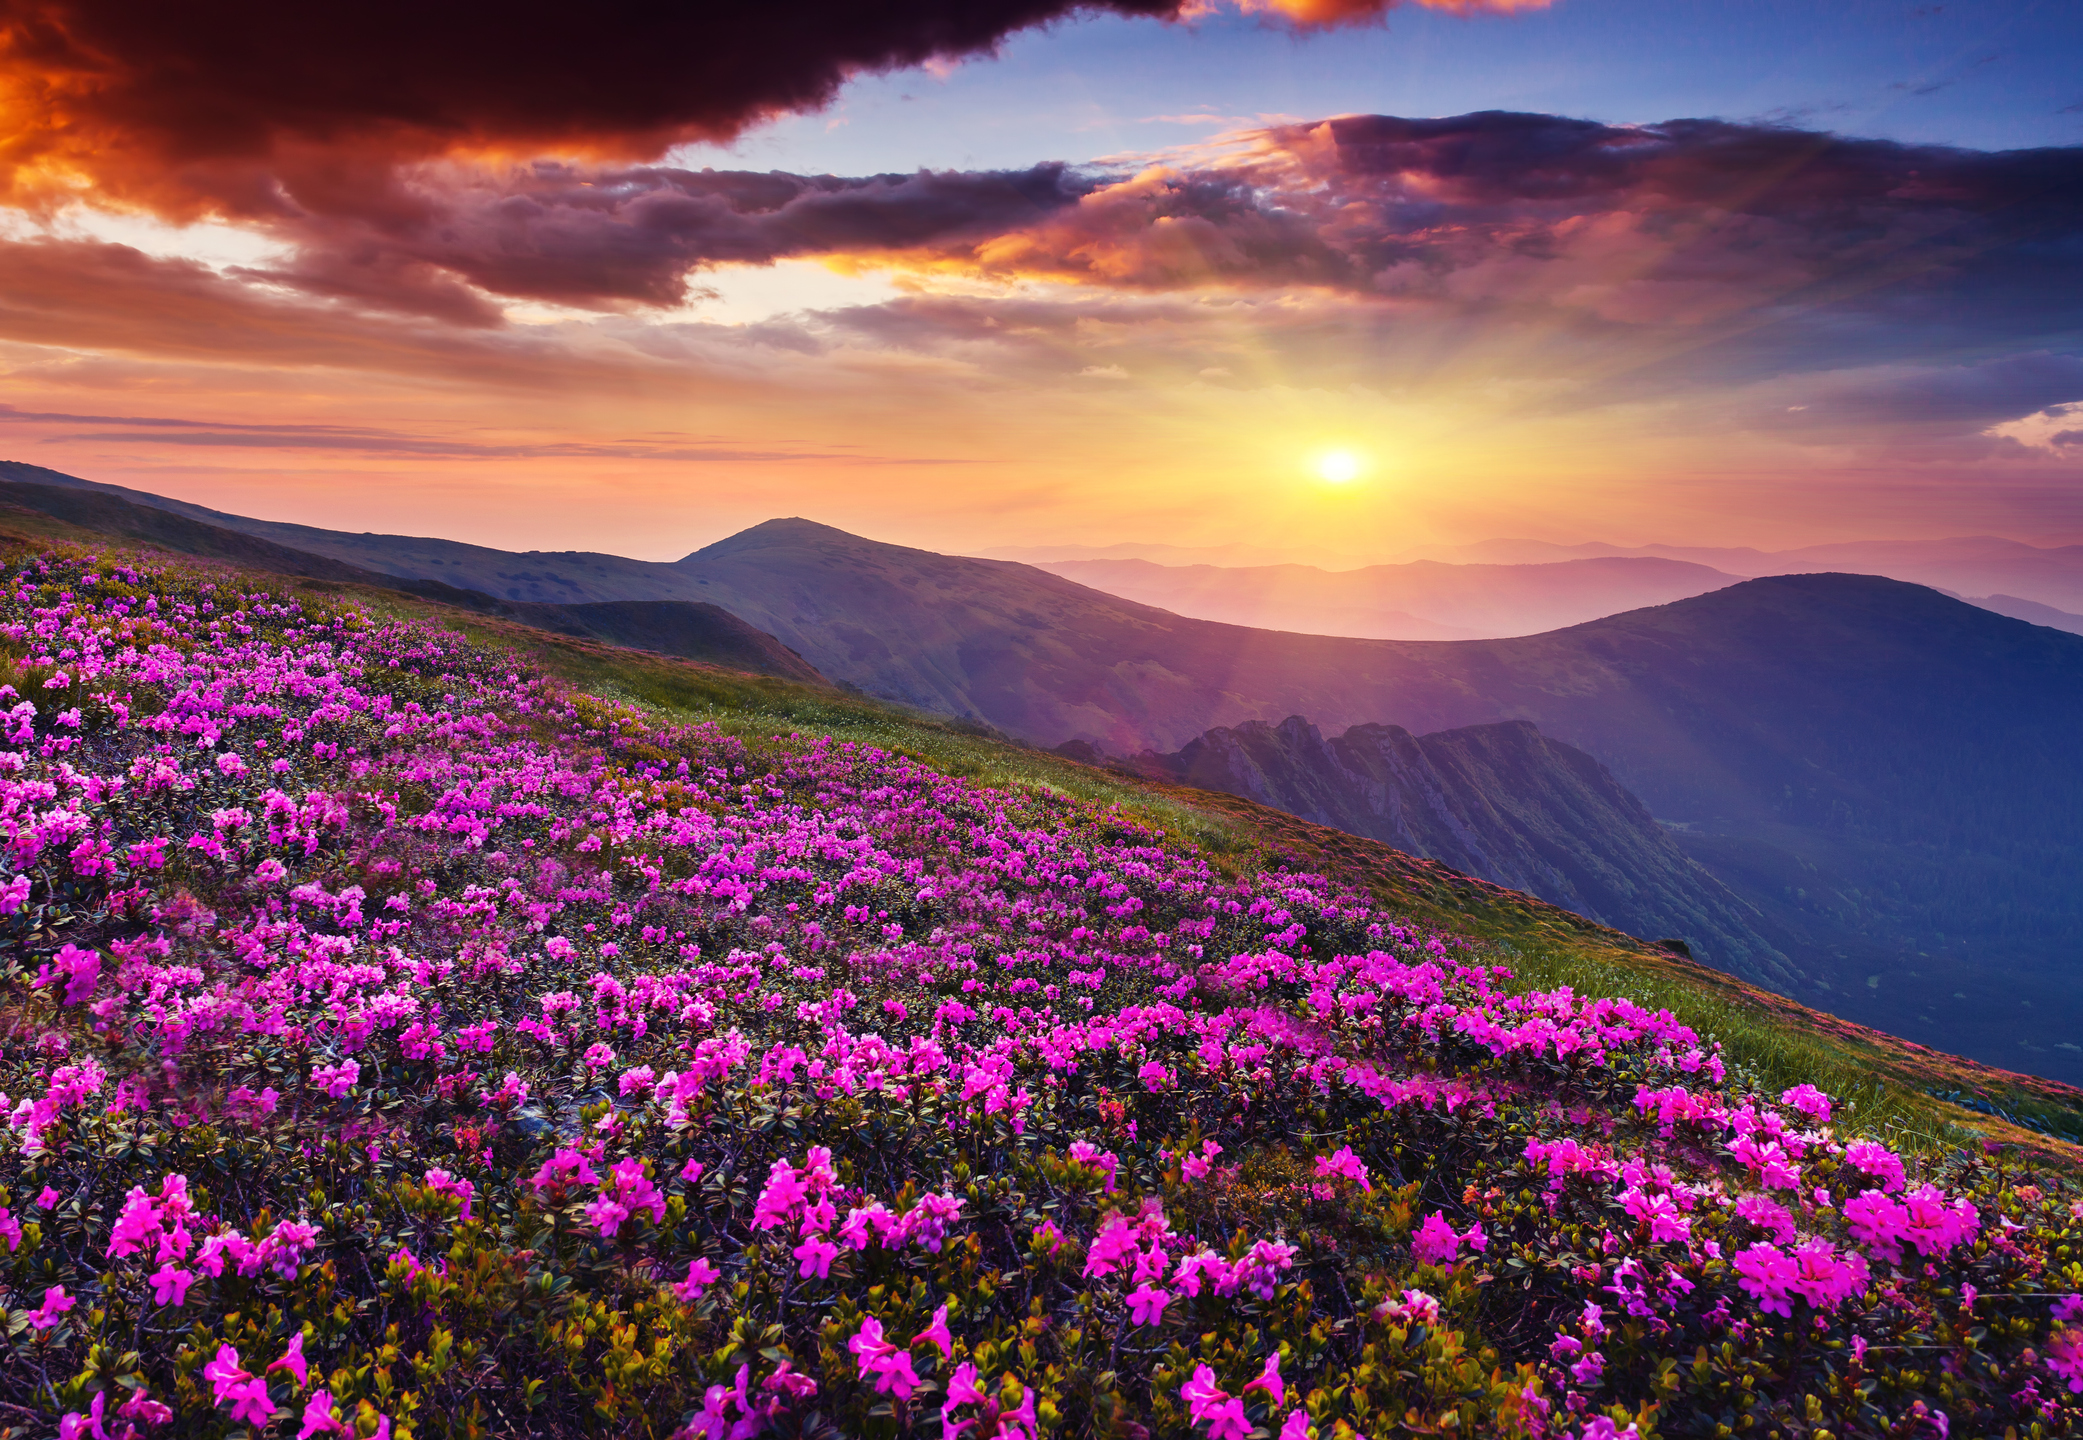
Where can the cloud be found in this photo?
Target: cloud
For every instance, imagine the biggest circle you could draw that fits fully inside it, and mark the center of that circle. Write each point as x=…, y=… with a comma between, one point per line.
x=1749, y=249
x=1709, y=226
x=2020, y=398
x=1568, y=265
x=252, y=108
x=165, y=430
x=610, y=237
x=2056, y=430
x=1401, y=207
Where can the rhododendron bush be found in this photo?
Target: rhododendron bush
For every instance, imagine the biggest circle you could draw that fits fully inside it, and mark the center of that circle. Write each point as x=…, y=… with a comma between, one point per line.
x=395, y=1042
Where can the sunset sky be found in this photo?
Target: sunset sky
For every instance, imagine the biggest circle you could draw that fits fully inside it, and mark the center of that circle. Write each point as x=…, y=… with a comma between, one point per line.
x=1302, y=274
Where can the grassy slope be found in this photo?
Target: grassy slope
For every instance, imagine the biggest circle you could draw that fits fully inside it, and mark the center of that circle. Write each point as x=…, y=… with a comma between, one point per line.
x=1782, y=1043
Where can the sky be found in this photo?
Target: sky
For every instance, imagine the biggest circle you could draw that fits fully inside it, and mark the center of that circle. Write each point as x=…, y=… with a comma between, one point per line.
x=1321, y=277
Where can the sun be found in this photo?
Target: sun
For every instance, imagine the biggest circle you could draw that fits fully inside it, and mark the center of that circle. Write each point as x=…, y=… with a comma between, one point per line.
x=1339, y=467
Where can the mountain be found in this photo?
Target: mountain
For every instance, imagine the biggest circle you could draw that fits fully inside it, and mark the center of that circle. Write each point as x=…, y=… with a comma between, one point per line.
x=1421, y=600
x=541, y=577
x=1966, y=564
x=1163, y=554
x=693, y=630
x=2032, y=612
x=690, y=629
x=1892, y=777
x=1502, y=802
x=1962, y=564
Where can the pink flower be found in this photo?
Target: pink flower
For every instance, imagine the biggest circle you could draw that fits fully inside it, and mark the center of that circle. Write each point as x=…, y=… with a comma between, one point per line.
x=141, y=1406
x=170, y=1285
x=1116, y=1242
x=293, y=1360
x=443, y=1183
x=1767, y=1274
x=2064, y=1356
x=868, y=1344
x=336, y=1080
x=1436, y=1242
x=1878, y=1223
x=782, y=1195
x=1415, y=1308
x=76, y=1426
x=817, y=1255
x=250, y=1402
x=1827, y=1279
x=318, y=1416
x=1767, y=1214
x=1878, y=1161
x=1297, y=1426
x=606, y=1215
x=1084, y=1152
x=1269, y=1380
x=1146, y=1305
x=700, y=1276
x=896, y=1377
x=55, y=1303
x=938, y=1333
x=962, y=1389
x=1661, y=1213
x=1227, y=1421
x=136, y=1227
x=1347, y=1164
x=223, y=1373
x=1201, y=1392
x=1809, y=1101
x=566, y=1167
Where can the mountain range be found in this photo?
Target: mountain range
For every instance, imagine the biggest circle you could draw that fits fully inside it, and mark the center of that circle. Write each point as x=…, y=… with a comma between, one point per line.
x=1965, y=565
x=693, y=630
x=1419, y=600
x=1887, y=776
x=1501, y=802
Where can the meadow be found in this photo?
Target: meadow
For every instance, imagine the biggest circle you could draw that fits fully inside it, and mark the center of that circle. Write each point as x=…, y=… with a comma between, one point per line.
x=409, y=1029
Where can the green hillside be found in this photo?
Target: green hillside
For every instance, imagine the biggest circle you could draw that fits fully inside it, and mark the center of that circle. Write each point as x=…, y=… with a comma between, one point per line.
x=418, y=1024
x=1784, y=1041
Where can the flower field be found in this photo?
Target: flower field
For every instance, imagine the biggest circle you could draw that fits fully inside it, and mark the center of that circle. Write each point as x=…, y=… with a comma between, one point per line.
x=396, y=1041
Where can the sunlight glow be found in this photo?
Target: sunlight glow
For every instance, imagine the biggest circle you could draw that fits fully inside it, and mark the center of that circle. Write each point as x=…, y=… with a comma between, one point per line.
x=1338, y=466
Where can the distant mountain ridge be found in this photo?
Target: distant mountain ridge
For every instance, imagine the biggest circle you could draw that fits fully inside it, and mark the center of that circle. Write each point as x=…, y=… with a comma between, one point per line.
x=1419, y=600
x=1501, y=802
x=1962, y=564
x=2031, y=611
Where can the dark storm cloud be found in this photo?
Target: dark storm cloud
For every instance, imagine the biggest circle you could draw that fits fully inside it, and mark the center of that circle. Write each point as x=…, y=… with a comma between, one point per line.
x=256, y=107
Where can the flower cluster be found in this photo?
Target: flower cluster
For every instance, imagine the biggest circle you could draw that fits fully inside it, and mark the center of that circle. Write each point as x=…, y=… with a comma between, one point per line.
x=506, y=1060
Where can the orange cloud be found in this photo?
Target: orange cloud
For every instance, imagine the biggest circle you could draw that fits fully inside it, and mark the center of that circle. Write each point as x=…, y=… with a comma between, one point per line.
x=1331, y=14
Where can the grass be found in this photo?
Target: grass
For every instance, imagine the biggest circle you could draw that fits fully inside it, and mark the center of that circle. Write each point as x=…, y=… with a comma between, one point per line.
x=1888, y=1082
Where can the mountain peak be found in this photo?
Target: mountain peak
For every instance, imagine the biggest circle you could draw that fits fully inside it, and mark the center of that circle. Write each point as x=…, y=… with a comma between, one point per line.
x=792, y=530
